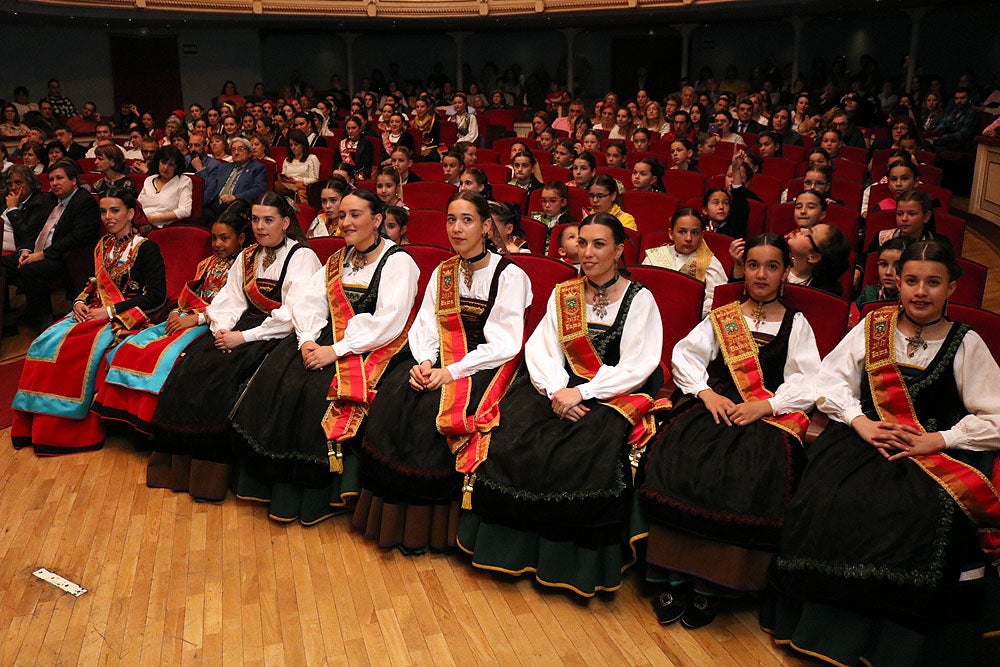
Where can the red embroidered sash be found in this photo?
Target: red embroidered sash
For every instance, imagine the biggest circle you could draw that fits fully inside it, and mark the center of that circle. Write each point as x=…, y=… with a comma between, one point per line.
x=741, y=355
x=468, y=435
x=254, y=295
x=637, y=408
x=109, y=293
x=352, y=389
x=197, y=294
x=974, y=492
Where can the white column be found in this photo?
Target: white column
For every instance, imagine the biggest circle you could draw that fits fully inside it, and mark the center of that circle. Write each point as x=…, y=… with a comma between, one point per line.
x=685, y=29
x=798, y=23
x=459, y=38
x=349, y=38
x=916, y=14
x=570, y=34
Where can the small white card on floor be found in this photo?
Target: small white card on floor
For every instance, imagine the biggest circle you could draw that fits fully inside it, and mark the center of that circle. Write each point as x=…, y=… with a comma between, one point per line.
x=60, y=582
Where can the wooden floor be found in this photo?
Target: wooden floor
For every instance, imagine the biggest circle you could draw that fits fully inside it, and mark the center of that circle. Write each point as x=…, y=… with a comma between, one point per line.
x=174, y=582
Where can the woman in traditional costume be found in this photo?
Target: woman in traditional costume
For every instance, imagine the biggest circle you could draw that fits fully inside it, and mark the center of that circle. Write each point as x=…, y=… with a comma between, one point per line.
x=247, y=318
x=350, y=324
x=553, y=496
x=65, y=365
x=889, y=553
x=425, y=436
x=717, y=482
x=141, y=364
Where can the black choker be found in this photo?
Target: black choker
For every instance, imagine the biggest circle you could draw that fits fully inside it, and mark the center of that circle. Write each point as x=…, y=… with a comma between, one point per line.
x=916, y=341
x=359, y=259
x=466, y=266
x=601, y=300
x=758, y=315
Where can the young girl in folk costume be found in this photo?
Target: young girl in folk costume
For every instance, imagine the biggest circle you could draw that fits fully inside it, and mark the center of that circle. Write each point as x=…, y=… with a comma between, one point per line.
x=247, y=318
x=716, y=484
x=327, y=221
x=888, y=554
x=552, y=498
x=355, y=149
x=389, y=188
x=689, y=254
x=65, y=365
x=140, y=365
x=429, y=424
x=395, y=135
x=425, y=120
x=301, y=415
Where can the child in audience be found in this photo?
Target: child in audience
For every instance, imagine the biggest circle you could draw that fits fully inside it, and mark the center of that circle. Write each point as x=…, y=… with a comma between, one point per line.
x=469, y=153
x=401, y=160
x=688, y=253
x=396, y=219
x=388, y=187
x=616, y=154
x=451, y=164
x=584, y=170
x=569, y=250
x=327, y=221
x=605, y=197
x=554, y=198
x=507, y=223
x=810, y=209
x=886, y=288
x=527, y=175
x=914, y=219
x=564, y=153
x=647, y=175
x=474, y=180
x=682, y=151
x=640, y=140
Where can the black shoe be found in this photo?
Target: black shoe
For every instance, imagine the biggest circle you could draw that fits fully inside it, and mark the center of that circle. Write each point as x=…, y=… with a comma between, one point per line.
x=699, y=612
x=669, y=606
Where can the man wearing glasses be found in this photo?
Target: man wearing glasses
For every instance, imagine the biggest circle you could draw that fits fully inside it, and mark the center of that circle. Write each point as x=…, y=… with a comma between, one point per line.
x=243, y=178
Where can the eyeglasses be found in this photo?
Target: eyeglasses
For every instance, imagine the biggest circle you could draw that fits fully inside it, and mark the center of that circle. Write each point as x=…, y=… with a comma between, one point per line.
x=598, y=196
x=814, y=184
x=807, y=232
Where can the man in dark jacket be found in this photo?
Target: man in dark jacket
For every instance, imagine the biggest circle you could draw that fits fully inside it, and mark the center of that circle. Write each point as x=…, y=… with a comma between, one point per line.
x=67, y=222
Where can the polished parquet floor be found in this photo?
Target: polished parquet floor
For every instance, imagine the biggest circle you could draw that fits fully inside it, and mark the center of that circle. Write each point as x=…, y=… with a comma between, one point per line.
x=173, y=582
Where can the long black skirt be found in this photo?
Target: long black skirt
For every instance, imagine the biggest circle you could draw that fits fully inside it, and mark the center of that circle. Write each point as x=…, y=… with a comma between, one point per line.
x=403, y=456
x=552, y=472
x=731, y=484
x=867, y=532
x=192, y=417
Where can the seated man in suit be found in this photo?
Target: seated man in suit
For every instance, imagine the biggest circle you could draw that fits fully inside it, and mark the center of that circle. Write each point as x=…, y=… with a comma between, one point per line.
x=744, y=119
x=243, y=178
x=68, y=220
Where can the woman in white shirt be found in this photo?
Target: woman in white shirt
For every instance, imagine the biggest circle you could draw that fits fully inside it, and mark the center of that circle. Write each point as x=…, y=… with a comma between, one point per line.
x=424, y=434
x=552, y=497
x=166, y=196
x=299, y=452
x=247, y=319
x=717, y=481
x=299, y=170
x=888, y=551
